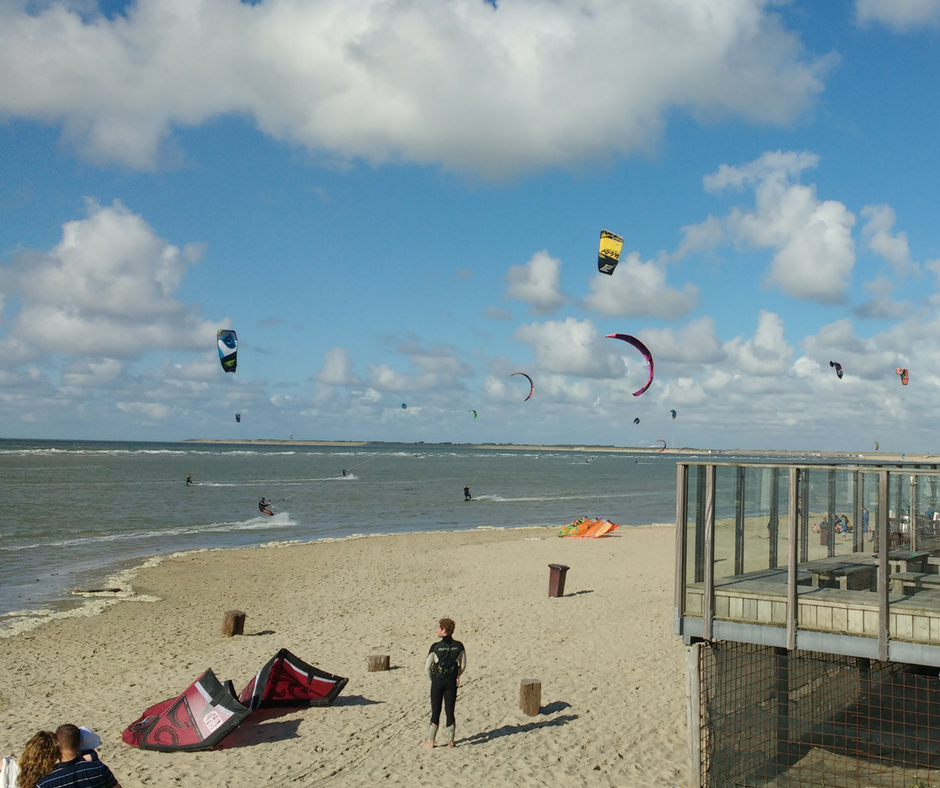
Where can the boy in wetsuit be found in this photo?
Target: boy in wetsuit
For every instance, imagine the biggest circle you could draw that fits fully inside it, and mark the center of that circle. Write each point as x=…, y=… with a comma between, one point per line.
x=263, y=507
x=446, y=661
x=466, y=492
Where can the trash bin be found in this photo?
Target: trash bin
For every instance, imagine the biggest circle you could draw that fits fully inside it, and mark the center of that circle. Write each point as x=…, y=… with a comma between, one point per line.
x=824, y=531
x=556, y=579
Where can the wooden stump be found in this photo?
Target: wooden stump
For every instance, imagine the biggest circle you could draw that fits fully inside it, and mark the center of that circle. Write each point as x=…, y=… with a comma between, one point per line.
x=234, y=623
x=379, y=662
x=530, y=697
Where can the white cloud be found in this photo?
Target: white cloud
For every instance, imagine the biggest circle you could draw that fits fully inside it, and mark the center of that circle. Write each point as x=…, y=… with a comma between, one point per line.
x=694, y=343
x=154, y=411
x=473, y=86
x=814, y=251
x=881, y=306
x=766, y=353
x=899, y=14
x=639, y=289
x=571, y=347
x=537, y=283
x=337, y=369
x=106, y=290
x=859, y=357
x=876, y=232
x=91, y=373
x=700, y=237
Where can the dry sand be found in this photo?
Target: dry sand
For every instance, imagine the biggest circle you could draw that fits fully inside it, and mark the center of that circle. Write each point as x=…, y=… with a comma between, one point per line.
x=611, y=669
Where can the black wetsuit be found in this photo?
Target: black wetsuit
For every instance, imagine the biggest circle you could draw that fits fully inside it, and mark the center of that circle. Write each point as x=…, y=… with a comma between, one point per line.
x=444, y=673
x=466, y=493
x=263, y=507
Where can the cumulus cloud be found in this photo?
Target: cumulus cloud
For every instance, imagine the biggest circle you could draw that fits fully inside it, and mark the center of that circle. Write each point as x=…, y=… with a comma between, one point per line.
x=537, y=283
x=474, y=86
x=639, y=289
x=438, y=367
x=881, y=306
x=695, y=343
x=337, y=369
x=876, y=232
x=105, y=291
x=860, y=357
x=766, y=353
x=899, y=14
x=814, y=252
x=571, y=347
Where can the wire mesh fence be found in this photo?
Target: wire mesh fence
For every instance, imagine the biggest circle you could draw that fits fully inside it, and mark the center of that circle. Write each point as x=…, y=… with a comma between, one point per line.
x=769, y=717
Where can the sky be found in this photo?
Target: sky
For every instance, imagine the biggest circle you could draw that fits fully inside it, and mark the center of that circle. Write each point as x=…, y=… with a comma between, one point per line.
x=396, y=204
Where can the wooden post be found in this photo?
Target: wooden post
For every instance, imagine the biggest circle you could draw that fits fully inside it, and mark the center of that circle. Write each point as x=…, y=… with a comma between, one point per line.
x=379, y=662
x=234, y=623
x=530, y=697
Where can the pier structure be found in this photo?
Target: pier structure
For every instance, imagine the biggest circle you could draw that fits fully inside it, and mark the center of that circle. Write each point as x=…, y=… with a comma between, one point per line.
x=808, y=597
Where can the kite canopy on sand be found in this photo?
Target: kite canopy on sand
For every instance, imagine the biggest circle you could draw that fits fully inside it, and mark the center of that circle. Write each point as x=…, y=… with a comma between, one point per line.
x=608, y=252
x=228, y=349
x=531, y=384
x=584, y=528
x=646, y=354
x=208, y=710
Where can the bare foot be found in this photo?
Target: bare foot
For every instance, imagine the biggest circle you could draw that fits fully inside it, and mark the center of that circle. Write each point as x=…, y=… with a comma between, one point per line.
x=428, y=745
x=451, y=744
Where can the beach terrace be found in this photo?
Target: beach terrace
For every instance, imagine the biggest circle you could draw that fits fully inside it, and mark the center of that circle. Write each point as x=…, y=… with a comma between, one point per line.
x=809, y=599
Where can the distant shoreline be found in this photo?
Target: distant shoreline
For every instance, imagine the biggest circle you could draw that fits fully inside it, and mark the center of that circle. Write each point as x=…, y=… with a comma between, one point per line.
x=683, y=451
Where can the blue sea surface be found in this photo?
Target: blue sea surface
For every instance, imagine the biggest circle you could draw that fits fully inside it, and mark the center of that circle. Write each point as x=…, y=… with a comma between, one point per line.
x=78, y=511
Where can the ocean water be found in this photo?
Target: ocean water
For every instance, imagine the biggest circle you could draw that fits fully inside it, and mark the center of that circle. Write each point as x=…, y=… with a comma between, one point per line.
x=76, y=512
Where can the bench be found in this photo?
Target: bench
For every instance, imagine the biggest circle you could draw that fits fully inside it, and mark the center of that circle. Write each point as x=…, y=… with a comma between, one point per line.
x=915, y=581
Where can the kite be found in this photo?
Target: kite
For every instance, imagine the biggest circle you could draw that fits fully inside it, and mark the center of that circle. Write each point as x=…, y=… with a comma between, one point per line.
x=876, y=445
x=531, y=384
x=904, y=376
x=636, y=420
x=474, y=414
x=404, y=406
x=608, y=253
x=646, y=354
x=660, y=440
x=838, y=368
x=673, y=414
x=208, y=710
x=583, y=528
x=228, y=349
x=238, y=417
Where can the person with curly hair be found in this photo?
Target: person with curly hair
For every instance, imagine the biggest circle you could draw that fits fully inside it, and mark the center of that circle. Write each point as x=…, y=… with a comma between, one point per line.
x=40, y=756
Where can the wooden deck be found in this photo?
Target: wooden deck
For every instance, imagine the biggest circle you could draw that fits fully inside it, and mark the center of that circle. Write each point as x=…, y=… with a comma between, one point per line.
x=761, y=598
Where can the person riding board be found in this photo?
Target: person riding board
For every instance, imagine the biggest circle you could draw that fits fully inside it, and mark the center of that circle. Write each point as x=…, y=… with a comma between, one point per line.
x=466, y=492
x=263, y=507
x=189, y=479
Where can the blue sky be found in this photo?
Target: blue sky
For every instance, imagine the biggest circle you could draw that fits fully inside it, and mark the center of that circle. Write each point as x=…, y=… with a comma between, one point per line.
x=400, y=202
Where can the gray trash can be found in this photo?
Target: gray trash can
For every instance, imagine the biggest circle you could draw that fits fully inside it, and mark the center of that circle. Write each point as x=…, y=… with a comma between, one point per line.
x=556, y=579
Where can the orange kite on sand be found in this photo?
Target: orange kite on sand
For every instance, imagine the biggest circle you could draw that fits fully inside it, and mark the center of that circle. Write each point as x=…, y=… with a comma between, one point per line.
x=583, y=528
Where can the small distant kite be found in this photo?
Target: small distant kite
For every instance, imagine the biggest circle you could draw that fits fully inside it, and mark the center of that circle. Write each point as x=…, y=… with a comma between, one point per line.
x=673, y=414
x=474, y=414
x=903, y=375
x=531, y=384
x=837, y=367
x=646, y=354
x=608, y=253
x=238, y=417
x=636, y=420
x=228, y=349
x=404, y=406
x=876, y=445
x=660, y=440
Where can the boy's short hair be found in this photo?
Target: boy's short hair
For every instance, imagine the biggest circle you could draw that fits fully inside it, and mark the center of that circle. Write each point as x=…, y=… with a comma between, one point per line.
x=68, y=737
x=447, y=624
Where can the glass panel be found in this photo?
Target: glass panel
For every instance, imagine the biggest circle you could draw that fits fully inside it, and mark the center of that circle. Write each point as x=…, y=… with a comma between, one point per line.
x=765, y=518
x=928, y=508
x=695, y=540
x=729, y=534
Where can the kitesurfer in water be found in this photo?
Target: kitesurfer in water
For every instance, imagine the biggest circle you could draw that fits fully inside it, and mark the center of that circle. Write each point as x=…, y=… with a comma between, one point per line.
x=466, y=492
x=189, y=479
x=344, y=471
x=263, y=507
x=447, y=660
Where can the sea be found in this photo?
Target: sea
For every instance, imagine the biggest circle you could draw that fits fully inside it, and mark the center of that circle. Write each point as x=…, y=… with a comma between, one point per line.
x=78, y=513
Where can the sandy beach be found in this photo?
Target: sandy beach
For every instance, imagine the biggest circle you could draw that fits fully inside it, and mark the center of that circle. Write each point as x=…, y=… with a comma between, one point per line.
x=611, y=670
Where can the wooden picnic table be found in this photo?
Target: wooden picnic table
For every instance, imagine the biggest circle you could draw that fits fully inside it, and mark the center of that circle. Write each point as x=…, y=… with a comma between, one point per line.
x=849, y=574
